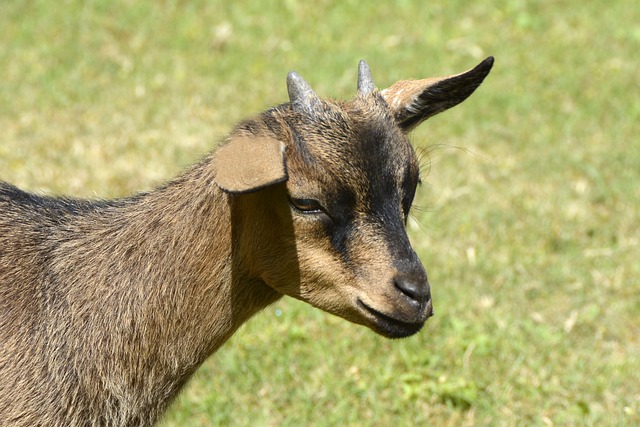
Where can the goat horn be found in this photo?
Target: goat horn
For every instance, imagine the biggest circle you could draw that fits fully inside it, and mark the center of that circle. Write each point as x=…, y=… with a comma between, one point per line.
x=365, y=81
x=302, y=98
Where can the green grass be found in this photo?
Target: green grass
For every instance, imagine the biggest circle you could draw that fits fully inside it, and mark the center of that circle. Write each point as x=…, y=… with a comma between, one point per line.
x=529, y=220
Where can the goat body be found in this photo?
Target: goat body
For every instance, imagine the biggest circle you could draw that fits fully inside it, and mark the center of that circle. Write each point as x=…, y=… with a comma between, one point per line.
x=108, y=307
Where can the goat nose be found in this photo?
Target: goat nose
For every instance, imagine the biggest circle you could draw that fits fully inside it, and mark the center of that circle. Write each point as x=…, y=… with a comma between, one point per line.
x=415, y=287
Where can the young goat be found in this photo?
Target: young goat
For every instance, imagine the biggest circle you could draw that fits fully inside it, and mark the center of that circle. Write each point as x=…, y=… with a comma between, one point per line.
x=108, y=307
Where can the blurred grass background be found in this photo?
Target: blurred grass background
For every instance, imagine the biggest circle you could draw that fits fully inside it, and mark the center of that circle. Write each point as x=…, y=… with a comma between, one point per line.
x=528, y=222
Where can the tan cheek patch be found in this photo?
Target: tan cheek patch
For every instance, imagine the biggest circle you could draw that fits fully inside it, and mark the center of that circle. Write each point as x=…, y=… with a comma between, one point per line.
x=371, y=254
x=249, y=164
x=369, y=262
x=326, y=283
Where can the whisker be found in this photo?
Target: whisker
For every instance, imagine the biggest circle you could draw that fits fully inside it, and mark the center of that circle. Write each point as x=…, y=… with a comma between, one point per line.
x=420, y=224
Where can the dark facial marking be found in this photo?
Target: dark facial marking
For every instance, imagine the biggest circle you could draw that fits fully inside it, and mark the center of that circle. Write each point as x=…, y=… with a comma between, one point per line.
x=340, y=228
x=391, y=185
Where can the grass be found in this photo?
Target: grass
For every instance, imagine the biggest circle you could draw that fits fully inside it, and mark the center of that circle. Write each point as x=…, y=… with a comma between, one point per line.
x=529, y=220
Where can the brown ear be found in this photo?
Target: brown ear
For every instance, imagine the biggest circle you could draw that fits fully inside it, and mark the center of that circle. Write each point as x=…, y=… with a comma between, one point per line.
x=414, y=101
x=247, y=164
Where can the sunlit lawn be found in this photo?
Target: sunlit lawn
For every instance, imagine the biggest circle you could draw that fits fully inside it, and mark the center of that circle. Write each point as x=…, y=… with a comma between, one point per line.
x=528, y=221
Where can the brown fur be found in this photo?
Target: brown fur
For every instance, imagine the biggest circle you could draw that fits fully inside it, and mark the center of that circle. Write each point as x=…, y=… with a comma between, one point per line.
x=108, y=307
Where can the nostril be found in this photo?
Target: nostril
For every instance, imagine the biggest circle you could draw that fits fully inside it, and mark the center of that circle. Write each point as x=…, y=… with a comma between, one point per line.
x=417, y=290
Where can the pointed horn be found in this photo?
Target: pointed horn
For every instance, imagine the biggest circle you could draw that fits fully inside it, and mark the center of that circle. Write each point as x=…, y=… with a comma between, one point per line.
x=302, y=98
x=365, y=81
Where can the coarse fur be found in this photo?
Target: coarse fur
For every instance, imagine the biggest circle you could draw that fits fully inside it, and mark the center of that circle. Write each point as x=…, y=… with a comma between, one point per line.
x=108, y=307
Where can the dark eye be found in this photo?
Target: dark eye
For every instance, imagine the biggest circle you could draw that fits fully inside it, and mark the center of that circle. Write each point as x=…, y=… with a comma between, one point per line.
x=306, y=205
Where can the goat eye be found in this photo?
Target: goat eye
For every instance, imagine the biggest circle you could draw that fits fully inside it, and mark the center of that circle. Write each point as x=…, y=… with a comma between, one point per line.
x=306, y=205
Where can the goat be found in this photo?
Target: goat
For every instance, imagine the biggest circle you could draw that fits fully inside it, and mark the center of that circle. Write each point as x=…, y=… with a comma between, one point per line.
x=108, y=307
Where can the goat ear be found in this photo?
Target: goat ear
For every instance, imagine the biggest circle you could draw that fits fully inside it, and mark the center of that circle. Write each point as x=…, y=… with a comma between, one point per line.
x=247, y=164
x=414, y=101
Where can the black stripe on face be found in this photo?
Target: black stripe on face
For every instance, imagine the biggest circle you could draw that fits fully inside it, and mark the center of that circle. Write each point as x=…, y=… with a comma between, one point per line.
x=340, y=224
x=391, y=192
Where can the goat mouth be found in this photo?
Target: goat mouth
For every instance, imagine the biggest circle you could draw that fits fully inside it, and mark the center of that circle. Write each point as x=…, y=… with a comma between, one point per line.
x=389, y=326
